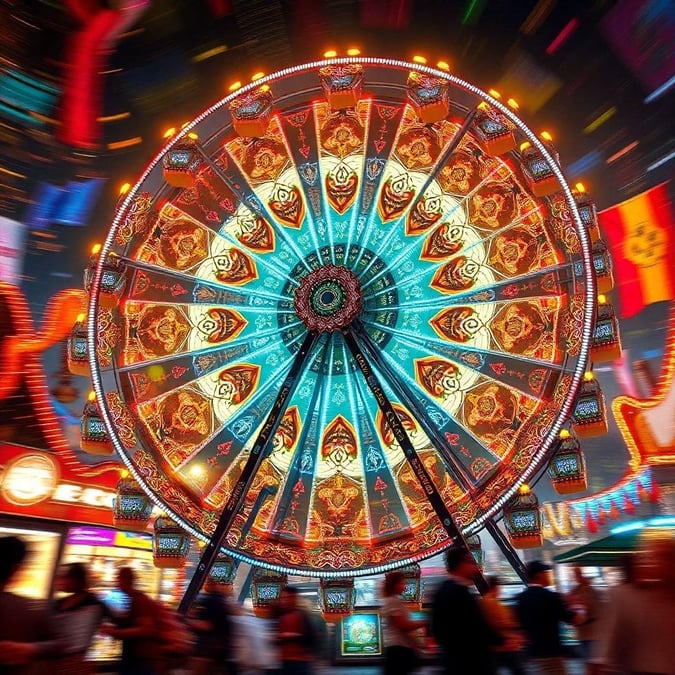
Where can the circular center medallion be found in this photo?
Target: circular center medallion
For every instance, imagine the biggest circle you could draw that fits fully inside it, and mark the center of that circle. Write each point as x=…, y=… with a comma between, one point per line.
x=328, y=298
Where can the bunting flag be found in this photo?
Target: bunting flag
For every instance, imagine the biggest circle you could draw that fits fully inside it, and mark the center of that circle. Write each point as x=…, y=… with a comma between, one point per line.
x=640, y=235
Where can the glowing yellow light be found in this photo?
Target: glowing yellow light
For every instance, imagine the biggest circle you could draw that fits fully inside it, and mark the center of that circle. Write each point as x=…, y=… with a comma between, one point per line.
x=494, y=93
x=96, y=249
x=546, y=136
x=580, y=187
x=193, y=135
x=125, y=188
x=524, y=489
x=513, y=104
x=257, y=76
x=155, y=372
x=196, y=471
x=169, y=132
x=265, y=87
x=81, y=317
x=124, y=473
x=483, y=106
x=91, y=396
x=564, y=434
x=443, y=65
x=602, y=300
x=525, y=145
x=234, y=86
x=330, y=54
x=419, y=59
x=353, y=51
x=588, y=376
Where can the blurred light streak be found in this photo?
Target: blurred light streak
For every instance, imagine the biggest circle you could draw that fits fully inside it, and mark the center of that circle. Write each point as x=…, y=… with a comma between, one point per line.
x=562, y=36
x=132, y=33
x=209, y=53
x=660, y=90
x=585, y=163
x=11, y=173
x=114, y=118
x=127, y=143
x=600, y=120
x=622, y=152
x=660, y=162
x=43, y=118
x=537, y=16
x=473, y=12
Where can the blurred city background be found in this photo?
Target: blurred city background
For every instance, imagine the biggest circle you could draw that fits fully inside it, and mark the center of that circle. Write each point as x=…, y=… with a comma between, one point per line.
x=88, y=88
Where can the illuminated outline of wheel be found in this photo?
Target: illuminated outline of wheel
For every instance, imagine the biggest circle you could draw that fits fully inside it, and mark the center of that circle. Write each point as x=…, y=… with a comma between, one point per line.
x=470, y=299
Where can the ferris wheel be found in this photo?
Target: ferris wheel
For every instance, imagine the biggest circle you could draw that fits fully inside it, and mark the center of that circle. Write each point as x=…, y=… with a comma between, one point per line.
x=342, y=316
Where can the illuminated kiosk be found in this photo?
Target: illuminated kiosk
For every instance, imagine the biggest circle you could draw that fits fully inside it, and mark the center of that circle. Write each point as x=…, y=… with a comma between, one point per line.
x=331, y=285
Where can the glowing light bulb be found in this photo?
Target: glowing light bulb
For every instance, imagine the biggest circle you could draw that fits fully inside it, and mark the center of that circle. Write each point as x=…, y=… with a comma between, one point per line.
x=419, y=59
x=257, y=76
x=513, y=104
x=602, y=300
x=353, y=51
x=525, y=145
x=588, y=376
x=91, y=396
x=96, y=249
x=170, y=132
x=580, y=187
x=234, y=86
x=524, y=489
x=564, y=434
x=546, y=136
x=81, y=317
x=494, y=93
x=125, y=188
x=443, y=65
x=330, y=54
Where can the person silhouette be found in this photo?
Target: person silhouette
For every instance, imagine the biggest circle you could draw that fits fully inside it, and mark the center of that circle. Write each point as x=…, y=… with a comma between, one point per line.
x=457, y=620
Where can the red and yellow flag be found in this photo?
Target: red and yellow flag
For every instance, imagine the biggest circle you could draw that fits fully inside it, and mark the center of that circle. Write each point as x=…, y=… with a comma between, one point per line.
x=641, y=237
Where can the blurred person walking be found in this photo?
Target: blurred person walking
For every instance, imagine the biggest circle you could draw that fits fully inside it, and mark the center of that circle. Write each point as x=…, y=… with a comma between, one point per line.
x=255, y=648
x=211, y=620
x=584, y=596
x=540, y=612
x=458, y=625
x=501, y=617
x=295, y=634
x=76, y=616
x=636, y=633
x=401, y=642
x=137, y=629
x=26, y=634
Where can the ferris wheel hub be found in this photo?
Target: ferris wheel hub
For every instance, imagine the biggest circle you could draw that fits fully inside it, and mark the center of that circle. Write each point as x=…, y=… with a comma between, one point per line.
x=328, y=298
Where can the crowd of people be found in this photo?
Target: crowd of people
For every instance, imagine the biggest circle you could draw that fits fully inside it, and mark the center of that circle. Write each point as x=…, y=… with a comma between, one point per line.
x=217, y=637
x=630, y=632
